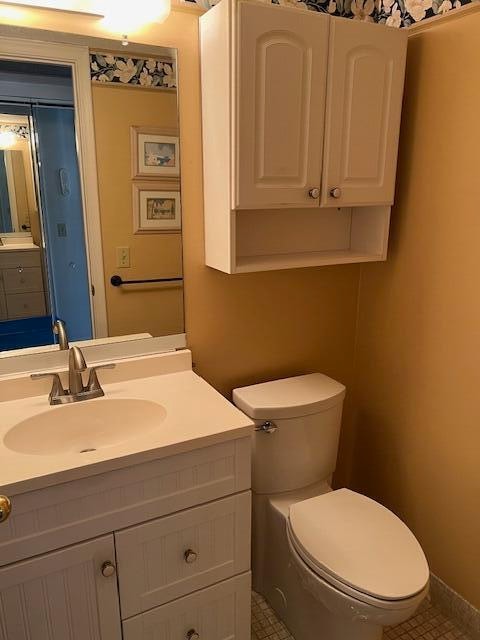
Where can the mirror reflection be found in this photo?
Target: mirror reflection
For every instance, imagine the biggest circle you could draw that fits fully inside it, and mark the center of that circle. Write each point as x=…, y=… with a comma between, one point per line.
x=50, y=288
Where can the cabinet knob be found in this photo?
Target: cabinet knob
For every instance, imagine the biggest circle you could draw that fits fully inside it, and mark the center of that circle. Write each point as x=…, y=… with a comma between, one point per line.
x=5, y=508
x=20, y=269
x=108, y=569
x=314, y=193
x=336, y=192
x=193, y=635
x=190, y=556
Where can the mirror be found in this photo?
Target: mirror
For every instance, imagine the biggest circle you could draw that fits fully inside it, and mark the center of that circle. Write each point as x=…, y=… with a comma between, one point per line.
x=18, y=200
x=100, y=251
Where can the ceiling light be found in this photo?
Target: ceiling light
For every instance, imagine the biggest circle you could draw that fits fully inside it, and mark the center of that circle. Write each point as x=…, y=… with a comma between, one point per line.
x=119, y=16
x=80, y=6
x=126, y=18
x=7, y=139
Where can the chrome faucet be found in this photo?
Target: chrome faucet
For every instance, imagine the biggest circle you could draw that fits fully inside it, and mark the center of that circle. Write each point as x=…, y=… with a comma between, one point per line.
x=60, y=330
x=77, y=391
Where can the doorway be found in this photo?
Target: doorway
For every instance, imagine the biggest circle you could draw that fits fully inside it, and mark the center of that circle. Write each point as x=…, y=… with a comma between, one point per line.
x=42, y=223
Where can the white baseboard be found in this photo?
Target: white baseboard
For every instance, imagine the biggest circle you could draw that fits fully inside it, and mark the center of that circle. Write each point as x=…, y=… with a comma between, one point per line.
x=450, y=603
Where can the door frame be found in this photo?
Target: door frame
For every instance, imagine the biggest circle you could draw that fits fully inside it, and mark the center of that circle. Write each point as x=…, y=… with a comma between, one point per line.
x=76, y=57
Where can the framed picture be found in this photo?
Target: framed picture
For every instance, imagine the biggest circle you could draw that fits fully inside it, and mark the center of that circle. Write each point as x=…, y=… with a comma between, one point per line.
x=155, y=153
x=156, y=207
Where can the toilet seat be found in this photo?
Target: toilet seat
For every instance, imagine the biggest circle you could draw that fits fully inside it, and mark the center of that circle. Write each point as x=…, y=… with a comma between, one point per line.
x=359, y=547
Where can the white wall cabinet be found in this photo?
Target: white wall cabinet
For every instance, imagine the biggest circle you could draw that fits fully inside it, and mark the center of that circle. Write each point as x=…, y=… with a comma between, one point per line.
x=301, y=123
x=171, y=552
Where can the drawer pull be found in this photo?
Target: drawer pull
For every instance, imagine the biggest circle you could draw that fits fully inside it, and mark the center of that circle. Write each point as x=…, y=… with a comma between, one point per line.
x=190, y=556
x=193, y=635
x=108, y=569
x=5, y=508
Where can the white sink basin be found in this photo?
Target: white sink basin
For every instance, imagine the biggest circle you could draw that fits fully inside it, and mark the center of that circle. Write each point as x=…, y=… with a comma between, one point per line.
x=85, y=427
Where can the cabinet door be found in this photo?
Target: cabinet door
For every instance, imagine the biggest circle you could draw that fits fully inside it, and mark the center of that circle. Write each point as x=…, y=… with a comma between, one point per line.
x=282, y=62
x=364, y=102
x=61, y=596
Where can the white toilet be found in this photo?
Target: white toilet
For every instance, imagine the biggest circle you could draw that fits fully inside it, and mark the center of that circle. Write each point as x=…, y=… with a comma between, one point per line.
x=334, y=565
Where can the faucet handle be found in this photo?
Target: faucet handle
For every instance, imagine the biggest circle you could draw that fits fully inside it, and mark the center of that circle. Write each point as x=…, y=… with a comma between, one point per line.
x=57, y=387
x=93, y=383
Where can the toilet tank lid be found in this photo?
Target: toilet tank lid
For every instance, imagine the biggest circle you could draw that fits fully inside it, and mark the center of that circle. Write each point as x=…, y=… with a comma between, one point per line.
x=290, y=397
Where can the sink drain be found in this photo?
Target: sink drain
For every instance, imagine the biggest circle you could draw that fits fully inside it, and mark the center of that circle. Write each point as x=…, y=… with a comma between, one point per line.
x=87, y=450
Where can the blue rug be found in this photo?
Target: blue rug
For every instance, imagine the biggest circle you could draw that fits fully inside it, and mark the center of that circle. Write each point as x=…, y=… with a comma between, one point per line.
x=28, y=332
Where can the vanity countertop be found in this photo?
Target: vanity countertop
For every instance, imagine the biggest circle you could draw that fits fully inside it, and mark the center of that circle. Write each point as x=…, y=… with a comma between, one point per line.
x=194, y=415
x=19, y=246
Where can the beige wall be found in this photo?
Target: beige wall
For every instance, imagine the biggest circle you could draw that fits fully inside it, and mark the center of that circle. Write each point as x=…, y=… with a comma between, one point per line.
x=157, y=309
x=416, y=441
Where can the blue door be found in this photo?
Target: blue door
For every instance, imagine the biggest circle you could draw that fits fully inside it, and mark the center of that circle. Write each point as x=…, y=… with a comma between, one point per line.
x=63, y=219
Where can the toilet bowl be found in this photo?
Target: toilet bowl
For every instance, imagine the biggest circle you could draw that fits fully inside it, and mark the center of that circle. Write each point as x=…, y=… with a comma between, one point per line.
x=357, y=557
x=334, y=565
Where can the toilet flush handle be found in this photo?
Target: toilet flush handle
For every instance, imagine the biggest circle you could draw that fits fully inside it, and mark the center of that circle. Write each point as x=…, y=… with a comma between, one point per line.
x=267, y=427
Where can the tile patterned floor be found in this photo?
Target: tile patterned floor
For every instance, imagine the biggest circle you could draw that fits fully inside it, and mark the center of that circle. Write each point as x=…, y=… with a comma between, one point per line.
x=427, y=624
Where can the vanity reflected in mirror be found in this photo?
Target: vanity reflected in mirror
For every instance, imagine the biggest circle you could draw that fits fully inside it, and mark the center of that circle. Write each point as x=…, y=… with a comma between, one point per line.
x=90, y=197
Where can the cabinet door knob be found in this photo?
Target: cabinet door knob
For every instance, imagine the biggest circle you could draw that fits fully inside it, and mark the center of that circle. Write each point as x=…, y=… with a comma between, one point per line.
x=190, y=556
x=5, y=508
x=193, y=635
x=336, y=192
x=108, y=569
x=314, y=193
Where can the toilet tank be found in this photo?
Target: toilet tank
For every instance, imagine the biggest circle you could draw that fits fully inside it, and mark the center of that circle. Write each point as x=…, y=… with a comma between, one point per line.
x=300, y=447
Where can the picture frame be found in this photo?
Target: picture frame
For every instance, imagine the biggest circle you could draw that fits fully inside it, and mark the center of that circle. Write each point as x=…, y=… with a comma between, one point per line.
x=155, y=153
x=157, y=207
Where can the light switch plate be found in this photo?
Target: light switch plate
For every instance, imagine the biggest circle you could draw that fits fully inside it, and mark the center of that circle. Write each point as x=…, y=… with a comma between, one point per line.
x=123, y=256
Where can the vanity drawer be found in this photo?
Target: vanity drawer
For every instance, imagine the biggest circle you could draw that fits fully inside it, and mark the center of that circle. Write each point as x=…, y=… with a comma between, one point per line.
x=25, y=305
x=221, y=612
x=67, y=513
x=16, y=259
x=162, y=560
x=23, y=280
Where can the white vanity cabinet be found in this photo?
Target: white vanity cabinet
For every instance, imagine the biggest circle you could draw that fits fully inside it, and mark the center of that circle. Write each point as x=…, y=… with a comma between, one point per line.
x=301, y=124
x=167, y=554
x=3, y=304
x=21, y=284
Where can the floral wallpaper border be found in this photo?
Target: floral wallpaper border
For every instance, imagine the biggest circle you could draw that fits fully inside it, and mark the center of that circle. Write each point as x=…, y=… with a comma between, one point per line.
x=20, y=130
x=148, y=73
x=393, y=13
